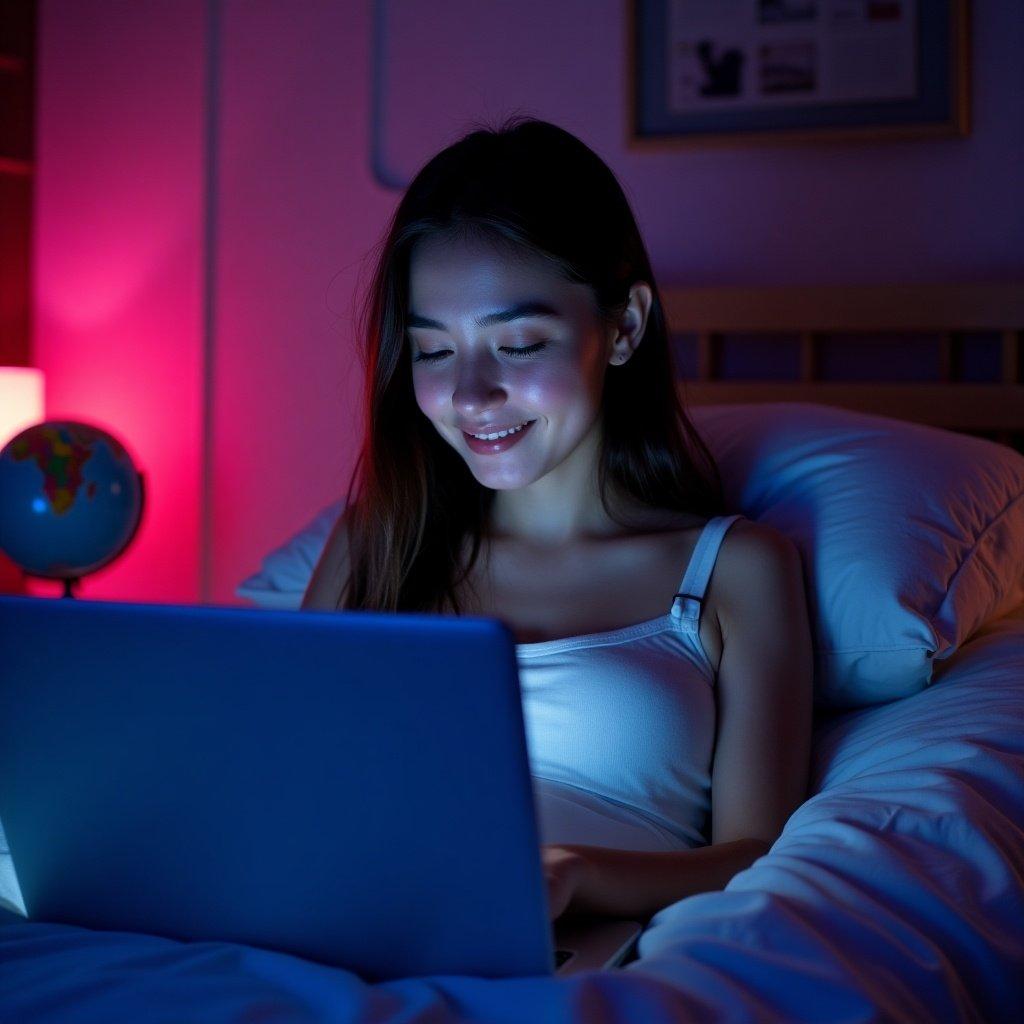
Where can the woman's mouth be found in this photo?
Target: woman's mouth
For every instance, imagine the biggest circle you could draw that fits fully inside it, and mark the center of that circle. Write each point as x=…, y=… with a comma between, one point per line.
x=489, y=445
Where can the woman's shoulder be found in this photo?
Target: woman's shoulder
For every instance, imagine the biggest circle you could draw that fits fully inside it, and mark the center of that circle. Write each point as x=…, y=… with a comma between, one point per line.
x=748, y=541
x=754, y=561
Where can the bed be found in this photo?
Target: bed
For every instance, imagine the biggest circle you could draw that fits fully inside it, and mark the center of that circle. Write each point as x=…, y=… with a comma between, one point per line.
x=896, y=890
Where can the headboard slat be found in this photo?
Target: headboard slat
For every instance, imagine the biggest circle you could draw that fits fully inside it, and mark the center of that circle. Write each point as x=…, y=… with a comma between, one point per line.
x=974, y=306
x=946, y=310
x=980, y=407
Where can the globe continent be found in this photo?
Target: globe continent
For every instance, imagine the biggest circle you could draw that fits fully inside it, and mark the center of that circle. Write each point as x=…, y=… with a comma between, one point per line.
x=70, y=499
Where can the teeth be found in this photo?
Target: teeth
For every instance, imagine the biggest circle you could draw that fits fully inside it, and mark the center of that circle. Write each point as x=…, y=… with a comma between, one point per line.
x=500, y=433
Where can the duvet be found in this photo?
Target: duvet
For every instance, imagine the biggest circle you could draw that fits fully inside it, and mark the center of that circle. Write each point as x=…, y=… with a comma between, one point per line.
x=895, y=892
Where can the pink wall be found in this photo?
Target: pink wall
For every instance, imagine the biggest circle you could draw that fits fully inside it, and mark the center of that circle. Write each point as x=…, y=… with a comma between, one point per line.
x=122, y=244
x=118, y=260
x=297, y=210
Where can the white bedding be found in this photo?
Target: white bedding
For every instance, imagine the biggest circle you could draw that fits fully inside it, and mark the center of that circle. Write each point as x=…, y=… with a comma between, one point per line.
x=896, y=892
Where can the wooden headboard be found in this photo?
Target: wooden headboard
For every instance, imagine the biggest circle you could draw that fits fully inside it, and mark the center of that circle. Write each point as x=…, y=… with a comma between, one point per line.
x=812, y=314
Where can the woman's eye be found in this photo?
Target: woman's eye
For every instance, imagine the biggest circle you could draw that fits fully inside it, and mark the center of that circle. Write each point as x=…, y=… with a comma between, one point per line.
x=518, y=353
x=530, y=350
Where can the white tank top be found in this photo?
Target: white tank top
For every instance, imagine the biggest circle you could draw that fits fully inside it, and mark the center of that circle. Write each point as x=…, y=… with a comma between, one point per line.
x=620, y=725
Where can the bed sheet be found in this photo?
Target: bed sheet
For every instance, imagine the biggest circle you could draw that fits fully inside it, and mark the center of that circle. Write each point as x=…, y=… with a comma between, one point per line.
x=896, y=892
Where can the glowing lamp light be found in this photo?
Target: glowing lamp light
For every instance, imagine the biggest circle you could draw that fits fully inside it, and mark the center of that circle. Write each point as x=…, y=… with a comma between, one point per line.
x=21, y=400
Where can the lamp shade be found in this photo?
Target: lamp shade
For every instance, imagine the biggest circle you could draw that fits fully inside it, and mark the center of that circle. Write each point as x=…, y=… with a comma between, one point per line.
x=21, y=400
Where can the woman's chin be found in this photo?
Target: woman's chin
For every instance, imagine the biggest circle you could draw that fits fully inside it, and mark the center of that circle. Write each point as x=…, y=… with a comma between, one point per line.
x=499, y=478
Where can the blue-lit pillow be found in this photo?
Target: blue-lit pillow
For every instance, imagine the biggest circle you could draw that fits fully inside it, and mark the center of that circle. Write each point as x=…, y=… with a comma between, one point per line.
x=912, y=537
x=285, y=573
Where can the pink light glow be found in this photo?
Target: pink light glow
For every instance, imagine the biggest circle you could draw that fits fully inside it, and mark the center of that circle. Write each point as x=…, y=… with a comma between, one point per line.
x=118, y=264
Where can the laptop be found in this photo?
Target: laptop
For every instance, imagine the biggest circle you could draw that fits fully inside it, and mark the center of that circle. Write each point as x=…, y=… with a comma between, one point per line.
x=352, y=788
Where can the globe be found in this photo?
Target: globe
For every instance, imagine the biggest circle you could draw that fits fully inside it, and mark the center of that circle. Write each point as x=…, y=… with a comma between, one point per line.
x=71, y=500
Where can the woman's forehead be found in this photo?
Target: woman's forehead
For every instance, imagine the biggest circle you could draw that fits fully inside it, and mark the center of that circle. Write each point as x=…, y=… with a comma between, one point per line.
x=436, y=259
x=473, y=278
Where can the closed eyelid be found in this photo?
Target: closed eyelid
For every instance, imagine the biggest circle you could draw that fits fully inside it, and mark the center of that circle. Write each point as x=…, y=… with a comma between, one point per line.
x=515, y=351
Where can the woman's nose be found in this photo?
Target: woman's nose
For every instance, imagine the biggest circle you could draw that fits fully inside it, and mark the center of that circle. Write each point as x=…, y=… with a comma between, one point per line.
x=477, y=389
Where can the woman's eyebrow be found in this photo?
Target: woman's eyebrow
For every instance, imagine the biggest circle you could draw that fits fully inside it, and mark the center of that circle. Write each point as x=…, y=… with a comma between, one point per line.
x=521, y=310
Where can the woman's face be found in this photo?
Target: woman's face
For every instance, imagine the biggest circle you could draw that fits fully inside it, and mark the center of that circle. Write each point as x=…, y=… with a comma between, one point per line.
x=541, y=362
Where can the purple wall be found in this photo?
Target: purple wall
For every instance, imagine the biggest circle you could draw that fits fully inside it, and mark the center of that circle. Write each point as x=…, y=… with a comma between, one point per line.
x=296, y=208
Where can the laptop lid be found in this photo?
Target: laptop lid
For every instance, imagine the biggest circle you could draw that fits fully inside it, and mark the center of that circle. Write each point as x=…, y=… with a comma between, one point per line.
x=351, y=788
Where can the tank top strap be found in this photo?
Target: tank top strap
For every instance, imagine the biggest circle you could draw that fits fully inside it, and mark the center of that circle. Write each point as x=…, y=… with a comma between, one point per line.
x=686, y=606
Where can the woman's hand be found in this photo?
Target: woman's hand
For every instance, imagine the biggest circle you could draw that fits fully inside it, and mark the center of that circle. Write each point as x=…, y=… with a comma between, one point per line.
x=563, y=872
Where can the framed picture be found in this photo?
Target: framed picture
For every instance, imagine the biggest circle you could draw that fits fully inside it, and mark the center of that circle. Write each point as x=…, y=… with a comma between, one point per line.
x=749, y=71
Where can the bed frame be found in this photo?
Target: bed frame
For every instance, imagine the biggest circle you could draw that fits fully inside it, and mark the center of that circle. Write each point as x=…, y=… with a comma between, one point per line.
x=944, y=311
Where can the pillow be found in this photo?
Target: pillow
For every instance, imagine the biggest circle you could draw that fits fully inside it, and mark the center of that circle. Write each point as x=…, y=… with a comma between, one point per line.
x=285, y=573
x=912, y=537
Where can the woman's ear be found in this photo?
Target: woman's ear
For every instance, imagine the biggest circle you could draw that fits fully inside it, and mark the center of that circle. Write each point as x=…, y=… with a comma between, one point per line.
x=629, y=331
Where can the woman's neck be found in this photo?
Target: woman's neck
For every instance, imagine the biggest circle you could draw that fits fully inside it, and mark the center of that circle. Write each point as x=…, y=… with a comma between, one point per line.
x=562, y=508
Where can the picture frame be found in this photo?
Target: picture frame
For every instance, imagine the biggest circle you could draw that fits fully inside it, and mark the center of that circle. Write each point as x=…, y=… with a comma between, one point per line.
x=736, y=72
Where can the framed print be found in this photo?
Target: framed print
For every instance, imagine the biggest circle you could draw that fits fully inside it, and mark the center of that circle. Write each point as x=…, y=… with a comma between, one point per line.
x=740, y=71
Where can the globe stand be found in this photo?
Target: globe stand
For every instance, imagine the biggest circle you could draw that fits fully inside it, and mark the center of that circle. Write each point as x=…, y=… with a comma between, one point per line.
x=68, y=583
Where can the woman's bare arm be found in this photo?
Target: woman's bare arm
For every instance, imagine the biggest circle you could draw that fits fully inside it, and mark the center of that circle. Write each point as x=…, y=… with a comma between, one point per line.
x=764, y=692
x=636, y=884
x=331, y=572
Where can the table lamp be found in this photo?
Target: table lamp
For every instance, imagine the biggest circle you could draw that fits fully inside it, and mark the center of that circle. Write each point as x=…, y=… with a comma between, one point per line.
x=21, y=405
x=21, y=400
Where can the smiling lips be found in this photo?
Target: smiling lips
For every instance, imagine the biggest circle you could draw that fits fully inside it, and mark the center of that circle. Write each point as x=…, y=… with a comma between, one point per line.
x=494, y=445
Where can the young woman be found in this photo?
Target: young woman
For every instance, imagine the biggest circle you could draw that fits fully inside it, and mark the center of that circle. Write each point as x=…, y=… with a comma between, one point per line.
x=527, y=457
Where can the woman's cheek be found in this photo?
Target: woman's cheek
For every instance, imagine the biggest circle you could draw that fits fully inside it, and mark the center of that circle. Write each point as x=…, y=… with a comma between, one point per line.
x=430, y=395
x=550, y=388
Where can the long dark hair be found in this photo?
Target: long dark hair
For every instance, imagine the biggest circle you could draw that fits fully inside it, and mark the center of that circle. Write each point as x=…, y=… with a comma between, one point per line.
x=538, y=189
